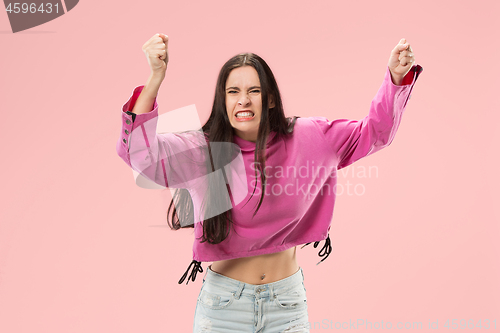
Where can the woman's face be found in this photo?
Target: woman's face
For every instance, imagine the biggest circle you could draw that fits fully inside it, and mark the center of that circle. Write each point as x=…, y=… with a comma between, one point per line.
x=243, y=93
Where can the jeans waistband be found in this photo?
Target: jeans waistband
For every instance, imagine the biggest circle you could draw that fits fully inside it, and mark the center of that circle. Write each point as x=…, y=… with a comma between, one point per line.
x=240, y=287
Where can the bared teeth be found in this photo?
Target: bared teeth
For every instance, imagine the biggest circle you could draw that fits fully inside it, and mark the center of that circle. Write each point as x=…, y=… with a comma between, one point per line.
x=245, y=114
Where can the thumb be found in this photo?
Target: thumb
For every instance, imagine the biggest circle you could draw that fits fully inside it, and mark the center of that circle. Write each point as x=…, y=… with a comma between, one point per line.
x=402, y=44
x=164, y=37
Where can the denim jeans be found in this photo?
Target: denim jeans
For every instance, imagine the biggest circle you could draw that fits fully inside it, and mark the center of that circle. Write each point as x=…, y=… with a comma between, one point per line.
x=226, y=305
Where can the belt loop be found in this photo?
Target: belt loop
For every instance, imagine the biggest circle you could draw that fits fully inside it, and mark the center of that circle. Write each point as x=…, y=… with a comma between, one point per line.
x=206, y=272
x=271, y=292
x=240, y=290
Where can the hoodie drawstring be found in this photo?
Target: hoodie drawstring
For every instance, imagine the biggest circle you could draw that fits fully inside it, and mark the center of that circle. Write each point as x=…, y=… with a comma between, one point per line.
x=197, y=268
x=325, y=250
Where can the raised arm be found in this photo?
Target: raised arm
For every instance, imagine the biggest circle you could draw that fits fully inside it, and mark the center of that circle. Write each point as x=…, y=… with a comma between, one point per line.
x=352, y=140
x=156, y=51
x=168, y=159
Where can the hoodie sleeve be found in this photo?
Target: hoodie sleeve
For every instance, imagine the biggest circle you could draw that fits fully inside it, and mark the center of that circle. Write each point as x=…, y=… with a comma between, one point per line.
x=352, y=140
x=168, y=159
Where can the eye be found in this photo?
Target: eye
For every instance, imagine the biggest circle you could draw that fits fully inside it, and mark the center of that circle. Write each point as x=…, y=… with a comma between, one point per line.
x=231, y=91
x=255, y=91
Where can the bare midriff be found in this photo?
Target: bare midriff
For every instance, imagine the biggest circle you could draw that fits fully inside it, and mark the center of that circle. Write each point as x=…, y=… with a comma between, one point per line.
x=261, y=269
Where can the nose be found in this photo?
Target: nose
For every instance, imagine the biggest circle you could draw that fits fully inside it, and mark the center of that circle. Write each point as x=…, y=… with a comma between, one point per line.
x=244, y=100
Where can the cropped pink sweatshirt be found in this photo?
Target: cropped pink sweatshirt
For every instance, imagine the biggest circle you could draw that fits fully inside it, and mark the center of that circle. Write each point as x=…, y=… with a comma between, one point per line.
x=300, y=168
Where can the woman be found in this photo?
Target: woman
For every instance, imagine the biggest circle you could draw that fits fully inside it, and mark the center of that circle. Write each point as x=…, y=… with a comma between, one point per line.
x=255, y=282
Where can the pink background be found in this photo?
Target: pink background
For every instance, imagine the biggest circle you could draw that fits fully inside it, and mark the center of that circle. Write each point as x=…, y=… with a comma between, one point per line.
x=83, y=249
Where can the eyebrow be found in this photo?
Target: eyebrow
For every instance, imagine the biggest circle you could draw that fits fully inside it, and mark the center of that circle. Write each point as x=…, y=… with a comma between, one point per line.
x=236, y=88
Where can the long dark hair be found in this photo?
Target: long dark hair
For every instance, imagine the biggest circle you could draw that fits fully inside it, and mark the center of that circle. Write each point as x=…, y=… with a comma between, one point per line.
x=219, y=129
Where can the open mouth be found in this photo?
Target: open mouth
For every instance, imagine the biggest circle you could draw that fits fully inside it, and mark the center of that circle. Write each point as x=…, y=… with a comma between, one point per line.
x=245, y=115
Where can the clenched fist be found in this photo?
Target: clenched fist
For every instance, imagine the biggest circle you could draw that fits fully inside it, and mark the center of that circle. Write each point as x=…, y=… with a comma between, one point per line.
x=156, y=50
x=401, y=61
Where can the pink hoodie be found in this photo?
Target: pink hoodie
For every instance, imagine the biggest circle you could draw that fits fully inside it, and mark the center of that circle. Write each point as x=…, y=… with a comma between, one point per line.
x=300, y=168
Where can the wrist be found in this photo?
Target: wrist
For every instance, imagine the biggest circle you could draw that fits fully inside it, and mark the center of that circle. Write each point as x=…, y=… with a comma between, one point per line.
x=153, y=83
x=396, y=79
x=156, y=77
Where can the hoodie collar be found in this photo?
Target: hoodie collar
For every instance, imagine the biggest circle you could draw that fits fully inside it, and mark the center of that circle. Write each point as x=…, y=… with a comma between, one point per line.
x=249, y=145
